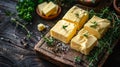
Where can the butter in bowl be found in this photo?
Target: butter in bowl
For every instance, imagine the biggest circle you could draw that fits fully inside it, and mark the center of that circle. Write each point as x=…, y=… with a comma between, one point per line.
x=48, y=10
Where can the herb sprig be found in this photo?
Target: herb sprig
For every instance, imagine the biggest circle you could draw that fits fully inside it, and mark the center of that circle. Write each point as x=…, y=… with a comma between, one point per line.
x=108, y=40
x=94, y=24
x=77, y=59
x=64, y=26
x=85, y=34
x=22, y=25
x=49, y=41
x=77, y=15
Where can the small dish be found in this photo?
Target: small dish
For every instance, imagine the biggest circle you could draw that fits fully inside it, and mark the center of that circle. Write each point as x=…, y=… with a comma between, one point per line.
x=48, y=17
x=116, y=6
x=89, y=2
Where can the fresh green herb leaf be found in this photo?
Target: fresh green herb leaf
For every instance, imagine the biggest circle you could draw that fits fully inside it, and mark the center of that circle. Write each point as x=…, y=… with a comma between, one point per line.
x=64, y=26
x=94, y=24
x=85, y=35
x=40, y=1
x=77, y=15
x=77, y=59
x=29, y=34
x=91, y=13
x=8, y=13
x=49, y=41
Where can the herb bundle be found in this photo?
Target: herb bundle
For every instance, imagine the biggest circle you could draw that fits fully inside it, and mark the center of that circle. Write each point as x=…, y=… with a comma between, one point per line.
x=25, y=9
x=105, y=43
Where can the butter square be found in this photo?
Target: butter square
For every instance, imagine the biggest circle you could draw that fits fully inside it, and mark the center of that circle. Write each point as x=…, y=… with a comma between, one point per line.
x=61, y=33
x=77, y=16
x=97, y=26
x=83, y=42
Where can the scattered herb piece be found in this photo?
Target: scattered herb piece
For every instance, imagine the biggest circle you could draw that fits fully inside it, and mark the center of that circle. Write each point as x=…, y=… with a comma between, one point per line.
x=77, y=59
x=49, y=41
x=77, y=15
x=8, y=13
x=85, y=35
x=94, y=24
x=64, y=26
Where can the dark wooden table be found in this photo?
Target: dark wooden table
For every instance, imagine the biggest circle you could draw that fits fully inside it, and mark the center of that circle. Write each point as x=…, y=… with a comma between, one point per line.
x=14, y=54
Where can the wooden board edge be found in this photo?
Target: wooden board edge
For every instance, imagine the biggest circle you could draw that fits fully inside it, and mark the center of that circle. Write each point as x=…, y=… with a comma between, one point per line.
x=40, y=42
x=49, y=57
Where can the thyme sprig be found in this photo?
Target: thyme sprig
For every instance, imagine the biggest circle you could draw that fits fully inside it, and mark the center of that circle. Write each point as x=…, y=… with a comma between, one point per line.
x=49, y=41
x=23, y=26
x=8, y=13
x=77, y=59
x=106, y=42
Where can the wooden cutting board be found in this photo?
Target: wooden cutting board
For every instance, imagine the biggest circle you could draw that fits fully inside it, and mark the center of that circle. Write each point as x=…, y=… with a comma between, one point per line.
x=67, y=58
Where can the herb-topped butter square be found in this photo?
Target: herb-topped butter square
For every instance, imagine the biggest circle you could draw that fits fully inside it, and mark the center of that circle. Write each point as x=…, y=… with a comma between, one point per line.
x=83, y=42
x=77, y=16
x=63, y=31
x=97, y=26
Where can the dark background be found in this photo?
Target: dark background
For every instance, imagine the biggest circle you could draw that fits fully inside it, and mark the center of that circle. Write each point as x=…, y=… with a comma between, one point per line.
x=15, y=54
